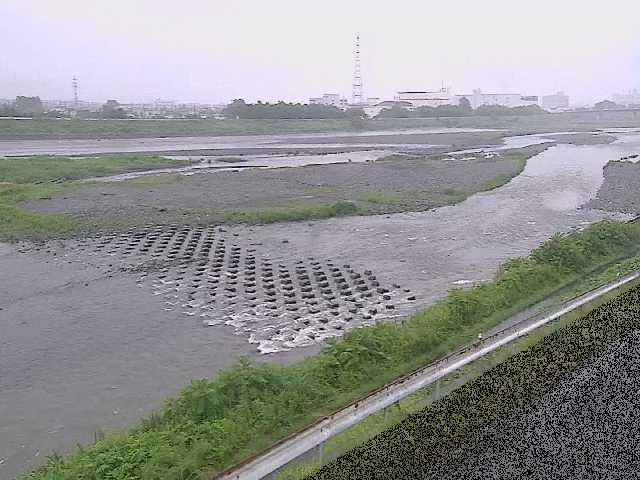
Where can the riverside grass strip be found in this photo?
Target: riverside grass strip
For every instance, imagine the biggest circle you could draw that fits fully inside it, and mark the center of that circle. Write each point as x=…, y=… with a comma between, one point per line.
x=214, y=424
x=378, y=423
x=405, y=450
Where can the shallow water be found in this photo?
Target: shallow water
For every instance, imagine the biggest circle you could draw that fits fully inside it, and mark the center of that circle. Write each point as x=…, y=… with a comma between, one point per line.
x=86, y=346
x=210, y=164
x=426, y=252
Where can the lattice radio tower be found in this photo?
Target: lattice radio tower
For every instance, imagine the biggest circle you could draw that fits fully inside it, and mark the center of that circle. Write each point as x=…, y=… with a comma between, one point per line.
x=74, y=84
x=357, y=95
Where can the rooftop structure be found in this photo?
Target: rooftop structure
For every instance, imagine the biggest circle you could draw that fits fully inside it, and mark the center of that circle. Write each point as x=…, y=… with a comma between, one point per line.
x=426, y=98
x=628, y=99
x=332, y=99
x=478, y=98
x=557, y=101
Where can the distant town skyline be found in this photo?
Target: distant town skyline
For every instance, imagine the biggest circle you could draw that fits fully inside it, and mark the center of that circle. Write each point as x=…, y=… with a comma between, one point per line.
x=213, y=51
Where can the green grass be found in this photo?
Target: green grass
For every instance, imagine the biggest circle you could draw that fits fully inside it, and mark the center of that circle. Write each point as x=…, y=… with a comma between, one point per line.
x=48, y=128
x=383, y=198
x=500, y=180
x=23, y=179
x=515, y=381
x=215, y=423
x=17, y=223
x=275, y=214
x=42, y=177
x=41, y=169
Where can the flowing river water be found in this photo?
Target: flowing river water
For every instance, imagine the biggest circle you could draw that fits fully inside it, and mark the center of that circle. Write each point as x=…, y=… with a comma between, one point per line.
x=85, y=346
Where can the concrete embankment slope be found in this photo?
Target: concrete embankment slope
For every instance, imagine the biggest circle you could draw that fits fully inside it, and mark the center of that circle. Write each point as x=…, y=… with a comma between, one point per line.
x=564, y=408
x=269, y=461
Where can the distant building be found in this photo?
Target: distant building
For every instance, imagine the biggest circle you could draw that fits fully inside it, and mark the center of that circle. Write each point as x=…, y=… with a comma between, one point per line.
x=558, y=101
x=374, y=110
x=629, y=99
x=332, y=99
x=477, y=98
x=422, y=98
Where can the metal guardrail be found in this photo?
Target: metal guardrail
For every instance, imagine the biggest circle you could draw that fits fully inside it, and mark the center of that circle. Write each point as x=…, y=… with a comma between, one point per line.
x=266, y=462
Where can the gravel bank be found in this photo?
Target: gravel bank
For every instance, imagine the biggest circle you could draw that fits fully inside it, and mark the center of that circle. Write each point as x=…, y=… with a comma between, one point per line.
x=620, y=191
x=387, y=186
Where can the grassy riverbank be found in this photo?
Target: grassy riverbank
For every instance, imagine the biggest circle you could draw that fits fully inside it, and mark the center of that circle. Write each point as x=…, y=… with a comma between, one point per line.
x=34, y=178
x=45, y=197
x=213, y=424
x=58, y=128
x=497, y=394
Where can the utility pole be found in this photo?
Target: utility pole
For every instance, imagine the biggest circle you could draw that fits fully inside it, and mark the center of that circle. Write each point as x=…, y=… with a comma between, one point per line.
x=357, y=95
x=74, y=84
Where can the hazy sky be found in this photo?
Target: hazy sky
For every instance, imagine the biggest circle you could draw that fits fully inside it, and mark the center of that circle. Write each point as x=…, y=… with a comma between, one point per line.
x=213, y=50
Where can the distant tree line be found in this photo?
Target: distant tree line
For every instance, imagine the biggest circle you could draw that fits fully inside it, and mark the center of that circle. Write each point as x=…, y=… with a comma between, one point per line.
x=462, y=110
x=112, y=109
x=23, y=107
x=281, y=110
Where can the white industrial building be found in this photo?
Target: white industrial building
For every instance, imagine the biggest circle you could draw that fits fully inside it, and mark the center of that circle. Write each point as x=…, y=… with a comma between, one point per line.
x=426, y=98
x=435, y=98
x=627, y=99
x=557, y=101
x=332, y=99
x=478, y=98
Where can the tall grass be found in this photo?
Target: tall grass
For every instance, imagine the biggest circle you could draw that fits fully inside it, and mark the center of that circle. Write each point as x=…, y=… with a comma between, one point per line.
x=276, y=214
x=17, y=223
x=213, y=424
x=44, y=168
x=31, y=178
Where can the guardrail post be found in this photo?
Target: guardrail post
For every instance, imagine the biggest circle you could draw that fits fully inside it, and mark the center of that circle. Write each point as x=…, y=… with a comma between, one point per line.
x=437, y=389
x=320, y=452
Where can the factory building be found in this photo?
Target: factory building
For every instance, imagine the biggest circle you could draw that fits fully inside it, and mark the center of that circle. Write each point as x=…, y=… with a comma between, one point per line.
x=557, y=101
x=435, y=98
x=332, y=99
x=629, y=99
x=426, y=98
x=478, y=98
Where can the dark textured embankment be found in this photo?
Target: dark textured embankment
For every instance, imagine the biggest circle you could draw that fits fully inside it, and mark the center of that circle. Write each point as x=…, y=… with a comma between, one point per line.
x=564, y=408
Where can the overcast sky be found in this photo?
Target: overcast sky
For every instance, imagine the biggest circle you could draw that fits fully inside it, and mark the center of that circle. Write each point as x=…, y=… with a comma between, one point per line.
x=213, y=50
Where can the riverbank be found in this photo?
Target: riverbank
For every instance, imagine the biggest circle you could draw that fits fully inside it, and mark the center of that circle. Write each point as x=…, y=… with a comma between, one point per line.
x=84, y=129
x=249, y=196
x=227, y=427
x=560, y=400
x=117, y=321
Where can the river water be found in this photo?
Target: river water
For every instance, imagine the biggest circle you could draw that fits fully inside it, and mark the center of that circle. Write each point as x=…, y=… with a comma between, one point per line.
x=94, y=146
x=82, y=348
x=431, y=252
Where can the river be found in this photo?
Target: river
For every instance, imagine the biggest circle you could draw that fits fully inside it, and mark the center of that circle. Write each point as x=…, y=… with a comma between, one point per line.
x=85, y=346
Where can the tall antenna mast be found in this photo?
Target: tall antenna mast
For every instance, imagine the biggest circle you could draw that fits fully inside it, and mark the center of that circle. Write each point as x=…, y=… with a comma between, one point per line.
x=357, y=96
x=74, y=83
